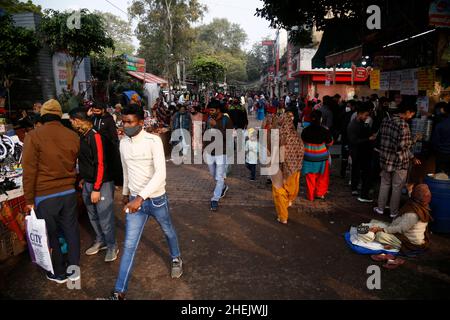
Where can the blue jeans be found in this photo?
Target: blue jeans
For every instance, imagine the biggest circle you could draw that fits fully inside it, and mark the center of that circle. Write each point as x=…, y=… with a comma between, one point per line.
x=135, y=223
x=101, y=214
x=217, y=167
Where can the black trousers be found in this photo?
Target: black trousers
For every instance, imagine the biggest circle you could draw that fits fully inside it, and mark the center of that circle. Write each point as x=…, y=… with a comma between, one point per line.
x=252, y=168
x=361, y=171
x=61, y=213
x=443, y=163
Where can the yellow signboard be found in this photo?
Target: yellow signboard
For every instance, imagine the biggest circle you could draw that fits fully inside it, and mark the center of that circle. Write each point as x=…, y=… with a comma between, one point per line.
x=426, y=78
x=375, y=79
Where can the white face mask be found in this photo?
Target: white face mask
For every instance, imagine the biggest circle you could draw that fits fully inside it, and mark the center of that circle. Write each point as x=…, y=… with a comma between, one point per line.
x=348, y=109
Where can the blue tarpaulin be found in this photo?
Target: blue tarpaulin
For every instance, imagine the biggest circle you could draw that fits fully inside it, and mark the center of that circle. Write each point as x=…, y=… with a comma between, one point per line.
x=129, y=94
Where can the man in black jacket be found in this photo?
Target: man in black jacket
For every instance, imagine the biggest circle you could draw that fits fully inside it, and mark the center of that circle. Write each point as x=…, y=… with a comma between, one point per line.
x=104, y=123
x=361, y=143
x=94, y=162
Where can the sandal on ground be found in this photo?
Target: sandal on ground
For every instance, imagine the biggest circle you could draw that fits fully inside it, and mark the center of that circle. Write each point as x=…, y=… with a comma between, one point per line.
x=394, y=264
x=382, y=257
x=282, y=222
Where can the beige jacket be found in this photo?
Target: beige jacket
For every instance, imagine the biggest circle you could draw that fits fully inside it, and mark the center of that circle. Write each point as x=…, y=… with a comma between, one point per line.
x=144, y=166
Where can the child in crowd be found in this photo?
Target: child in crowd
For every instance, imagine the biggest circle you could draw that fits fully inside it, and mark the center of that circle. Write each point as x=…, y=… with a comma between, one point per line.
x=251, y=153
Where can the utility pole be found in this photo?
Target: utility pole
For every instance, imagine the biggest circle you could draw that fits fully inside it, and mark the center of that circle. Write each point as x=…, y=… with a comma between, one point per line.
x=169, y=42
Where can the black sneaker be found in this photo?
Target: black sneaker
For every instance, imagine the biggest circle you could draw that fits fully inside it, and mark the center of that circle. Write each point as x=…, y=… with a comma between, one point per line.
x=224, y=191
x=58, y=279
x=355, y=193
x=365, y=200
x=214, y=205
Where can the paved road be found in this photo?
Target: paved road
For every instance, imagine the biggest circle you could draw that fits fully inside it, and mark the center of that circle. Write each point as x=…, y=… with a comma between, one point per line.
x=242, y=253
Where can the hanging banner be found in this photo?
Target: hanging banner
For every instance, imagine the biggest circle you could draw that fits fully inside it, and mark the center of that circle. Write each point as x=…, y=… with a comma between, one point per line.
x=409, y=85
x=426, y=78
x=375, y=79
x=63, y=74
x=395, y=81
x=384, y=81
x=423, y=104
x=440, y=13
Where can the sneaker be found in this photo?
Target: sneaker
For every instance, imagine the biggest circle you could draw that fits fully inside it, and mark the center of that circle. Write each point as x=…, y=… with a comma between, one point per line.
x=224, y=191
x=321, y=198
x=355, y=193
x=177, y=268
x=378, y=210
x=111, y=255
x=96, y=248
x=393, y=216
x=364, y=200
x=57, y=279
x=116, y=296
x=214, y=205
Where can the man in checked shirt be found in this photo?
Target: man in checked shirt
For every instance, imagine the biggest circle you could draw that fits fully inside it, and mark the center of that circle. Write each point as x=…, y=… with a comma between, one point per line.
x=395, y=156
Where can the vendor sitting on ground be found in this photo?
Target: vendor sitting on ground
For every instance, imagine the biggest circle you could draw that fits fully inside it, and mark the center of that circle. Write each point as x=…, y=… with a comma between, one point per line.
x=409, y=231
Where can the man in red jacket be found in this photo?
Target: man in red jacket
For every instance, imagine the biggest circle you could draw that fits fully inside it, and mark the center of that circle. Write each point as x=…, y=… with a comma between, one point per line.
x=96, y=171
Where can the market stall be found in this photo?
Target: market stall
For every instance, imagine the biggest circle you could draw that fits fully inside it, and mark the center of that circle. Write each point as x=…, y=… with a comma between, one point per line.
x=12, y=201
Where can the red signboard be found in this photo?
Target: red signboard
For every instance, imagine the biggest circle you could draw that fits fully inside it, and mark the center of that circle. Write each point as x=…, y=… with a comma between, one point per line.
x=361, y=73
x=268, y=43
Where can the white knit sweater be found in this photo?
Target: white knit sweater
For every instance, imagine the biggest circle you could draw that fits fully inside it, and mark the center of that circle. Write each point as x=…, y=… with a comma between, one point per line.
x=144, y=166
x=409, y=225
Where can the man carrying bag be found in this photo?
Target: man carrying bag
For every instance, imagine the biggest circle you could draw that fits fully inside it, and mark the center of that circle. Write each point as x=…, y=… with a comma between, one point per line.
x=49, y=174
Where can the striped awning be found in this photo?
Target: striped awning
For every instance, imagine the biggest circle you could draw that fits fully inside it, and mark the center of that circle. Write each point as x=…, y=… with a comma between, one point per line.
x=149, y=77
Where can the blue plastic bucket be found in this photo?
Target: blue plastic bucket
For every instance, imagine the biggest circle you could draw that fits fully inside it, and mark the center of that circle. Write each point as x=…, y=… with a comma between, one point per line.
x=440, y=204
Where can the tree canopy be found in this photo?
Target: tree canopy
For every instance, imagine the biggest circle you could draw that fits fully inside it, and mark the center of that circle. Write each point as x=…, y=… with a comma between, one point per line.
x=18, y=48
x=16, y=6
x=165, y=32
x=120, y=31
x=208, y=69
x=77, y=43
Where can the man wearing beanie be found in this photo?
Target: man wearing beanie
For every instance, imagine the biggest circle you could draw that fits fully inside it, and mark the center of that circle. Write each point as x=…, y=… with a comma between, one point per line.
x=96, y=169
x=49, y=173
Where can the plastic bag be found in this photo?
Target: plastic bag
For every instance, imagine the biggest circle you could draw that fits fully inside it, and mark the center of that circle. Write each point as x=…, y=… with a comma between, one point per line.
x=37, y=239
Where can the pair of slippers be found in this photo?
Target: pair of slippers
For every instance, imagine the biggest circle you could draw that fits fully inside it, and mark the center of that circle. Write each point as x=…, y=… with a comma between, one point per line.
x=391, y=261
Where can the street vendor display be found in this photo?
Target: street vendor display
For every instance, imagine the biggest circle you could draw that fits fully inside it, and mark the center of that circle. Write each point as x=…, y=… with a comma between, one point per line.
x=12, y=202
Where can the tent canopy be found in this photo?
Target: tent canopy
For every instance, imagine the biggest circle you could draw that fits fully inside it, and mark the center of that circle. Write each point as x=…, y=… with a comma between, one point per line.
x=149, y=77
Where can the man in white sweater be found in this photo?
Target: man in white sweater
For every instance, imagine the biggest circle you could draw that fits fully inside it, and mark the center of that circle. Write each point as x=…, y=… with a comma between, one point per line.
x=144, y=194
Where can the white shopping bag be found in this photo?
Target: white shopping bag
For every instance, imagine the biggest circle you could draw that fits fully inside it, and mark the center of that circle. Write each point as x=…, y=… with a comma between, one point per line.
x=37, y=239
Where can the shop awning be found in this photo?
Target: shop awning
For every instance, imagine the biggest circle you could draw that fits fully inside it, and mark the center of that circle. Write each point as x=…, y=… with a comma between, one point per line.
x=149, y=77
x=339, y=35
x=349, y=55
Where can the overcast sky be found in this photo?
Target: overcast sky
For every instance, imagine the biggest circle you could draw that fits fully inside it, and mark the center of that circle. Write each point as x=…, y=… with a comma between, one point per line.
x=237, y=11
